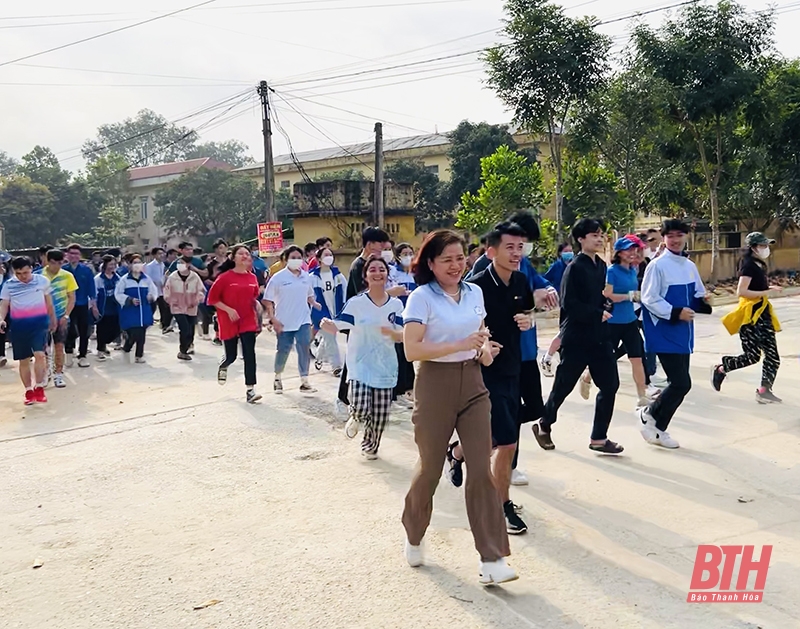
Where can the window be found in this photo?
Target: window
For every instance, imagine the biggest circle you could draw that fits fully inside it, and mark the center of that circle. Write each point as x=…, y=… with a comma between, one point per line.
x=433, y=169
x=286, y=183
x=143, y=207
x=145, y=242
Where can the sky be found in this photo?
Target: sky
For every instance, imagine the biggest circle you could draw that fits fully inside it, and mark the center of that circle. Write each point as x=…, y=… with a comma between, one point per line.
x=332, y=64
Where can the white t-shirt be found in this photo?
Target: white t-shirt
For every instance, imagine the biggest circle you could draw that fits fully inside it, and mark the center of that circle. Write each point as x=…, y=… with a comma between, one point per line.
x=371, y=357
x=155, y=271
x=290, y=293
x=446, y=320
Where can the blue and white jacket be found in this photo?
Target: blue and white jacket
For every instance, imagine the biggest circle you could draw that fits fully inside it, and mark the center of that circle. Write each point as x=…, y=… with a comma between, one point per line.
x=128, y=289
x=398, y=276
x=106, y=300
x=671, y=282
x=339, y=286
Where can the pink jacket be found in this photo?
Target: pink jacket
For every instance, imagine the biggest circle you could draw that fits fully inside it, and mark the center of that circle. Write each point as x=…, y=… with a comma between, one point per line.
x=183, y=296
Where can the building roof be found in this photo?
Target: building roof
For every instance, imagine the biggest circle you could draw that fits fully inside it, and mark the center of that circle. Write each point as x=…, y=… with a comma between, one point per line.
x=175, y=168
x=365, y=148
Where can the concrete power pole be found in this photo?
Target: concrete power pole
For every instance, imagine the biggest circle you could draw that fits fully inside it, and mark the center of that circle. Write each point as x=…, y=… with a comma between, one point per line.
x=269, y=168
x=379, y=219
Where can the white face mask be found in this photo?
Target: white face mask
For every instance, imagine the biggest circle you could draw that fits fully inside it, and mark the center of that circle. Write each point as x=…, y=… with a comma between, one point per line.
x=294, y=264
x=763, y=253
x=137, y=267
x=406, y=260
x=387, y=256
x=182, y=267
x=327, y=260
x=527, y=249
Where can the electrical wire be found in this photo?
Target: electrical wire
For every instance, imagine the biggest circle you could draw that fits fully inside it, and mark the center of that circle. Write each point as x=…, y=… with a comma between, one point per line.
x=96, y=71
x=106, y=33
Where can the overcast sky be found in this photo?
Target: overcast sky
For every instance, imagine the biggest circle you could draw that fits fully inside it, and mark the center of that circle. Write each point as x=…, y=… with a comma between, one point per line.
x=223, y=49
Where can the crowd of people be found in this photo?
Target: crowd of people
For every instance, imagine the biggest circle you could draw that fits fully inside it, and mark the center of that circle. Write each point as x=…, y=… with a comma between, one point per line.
x=448, y=330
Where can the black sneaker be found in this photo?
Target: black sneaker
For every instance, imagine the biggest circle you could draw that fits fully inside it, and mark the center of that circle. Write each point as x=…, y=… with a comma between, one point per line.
x=307, y=388
x=717, y=377
x=337, y=372
x=217, y=341
x=542, y=437
x=252, y=396
x=182, y=356
x=767, y=397
x=514, y=523
x=456, y=472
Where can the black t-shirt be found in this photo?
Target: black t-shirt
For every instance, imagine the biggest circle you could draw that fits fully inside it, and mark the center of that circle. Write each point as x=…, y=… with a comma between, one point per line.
x=756, y=271
x=502, y=302
x=356, y=283
x=583, y=302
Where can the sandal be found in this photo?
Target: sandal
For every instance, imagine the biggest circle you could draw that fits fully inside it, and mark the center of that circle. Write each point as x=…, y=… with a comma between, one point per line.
x=542, y=438
x=456, y=473
x=607, y=447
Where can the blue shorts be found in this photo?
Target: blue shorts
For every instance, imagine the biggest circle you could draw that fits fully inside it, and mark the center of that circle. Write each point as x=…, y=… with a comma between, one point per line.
x=25, y=342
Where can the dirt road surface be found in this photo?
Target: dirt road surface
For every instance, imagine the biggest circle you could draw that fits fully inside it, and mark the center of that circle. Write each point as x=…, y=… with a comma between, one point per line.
x=144, y=491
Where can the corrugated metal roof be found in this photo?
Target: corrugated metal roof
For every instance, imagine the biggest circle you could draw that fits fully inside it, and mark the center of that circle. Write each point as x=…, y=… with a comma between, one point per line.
x=174, y=168
x=365, y=148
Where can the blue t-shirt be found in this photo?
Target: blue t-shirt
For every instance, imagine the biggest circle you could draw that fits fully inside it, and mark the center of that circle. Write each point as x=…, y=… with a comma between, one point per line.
x=623, y=281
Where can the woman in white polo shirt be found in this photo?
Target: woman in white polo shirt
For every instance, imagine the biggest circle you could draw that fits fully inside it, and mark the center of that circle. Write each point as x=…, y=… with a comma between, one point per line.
x=444, y=331
x=289, y=298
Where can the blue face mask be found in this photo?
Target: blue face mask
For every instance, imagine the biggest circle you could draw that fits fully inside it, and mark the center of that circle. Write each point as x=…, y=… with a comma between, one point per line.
x=567, y=256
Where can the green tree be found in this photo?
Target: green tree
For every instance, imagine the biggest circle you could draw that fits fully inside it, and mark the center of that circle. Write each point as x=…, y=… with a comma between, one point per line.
x=25, y=211
x=429, y=205
x=8, y=165
x=593, y=191
x=231, y=152
x=509, y=183
x=108, y=181
x=551, y=64
x=469, y=143
x=346, y=174
x=147, y=139
x=711, y=60
x=210, y=202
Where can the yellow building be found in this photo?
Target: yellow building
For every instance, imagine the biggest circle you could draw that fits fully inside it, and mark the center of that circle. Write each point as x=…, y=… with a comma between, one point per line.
x=430, y=149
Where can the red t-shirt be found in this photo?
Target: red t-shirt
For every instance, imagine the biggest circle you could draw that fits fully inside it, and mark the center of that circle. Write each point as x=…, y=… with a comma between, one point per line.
x=240, y=292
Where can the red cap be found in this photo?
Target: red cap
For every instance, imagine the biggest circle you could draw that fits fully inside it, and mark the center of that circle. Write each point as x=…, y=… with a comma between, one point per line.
x=636, y=240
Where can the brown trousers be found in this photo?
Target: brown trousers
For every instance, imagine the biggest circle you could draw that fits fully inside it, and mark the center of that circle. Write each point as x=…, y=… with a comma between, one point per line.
x=452, y=396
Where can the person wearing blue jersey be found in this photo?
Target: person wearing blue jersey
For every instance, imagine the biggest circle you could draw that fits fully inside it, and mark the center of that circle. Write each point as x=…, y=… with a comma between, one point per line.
x=374, y=319
x=135, y=292
x=79, y=319
x=329, y=289
x=672, y=294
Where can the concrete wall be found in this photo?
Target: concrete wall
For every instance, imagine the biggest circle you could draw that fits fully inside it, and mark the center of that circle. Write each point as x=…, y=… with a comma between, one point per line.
x=345, y=231
x=783, y=259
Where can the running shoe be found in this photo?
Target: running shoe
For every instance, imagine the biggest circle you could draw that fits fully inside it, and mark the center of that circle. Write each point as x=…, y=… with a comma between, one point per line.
x=182, y=356
x=217, y=341
x=717, y=376
x=413, y=555
x=337, y=373
x=39, y=395
x=277, y=386
x=30, y=397
x=307, y=388
x=546, y=364
x=252, y=396
x=352, y=427
x=496, y=572
x=652, y=392
x=222, y=374
x=140, y=360
x=58, y=381
x=369, y=456
x=455, y=474
x=767, y=397
x=663, y=440
x=518, y=478
x=83, y=362
x=101, y=357
x=514, y=523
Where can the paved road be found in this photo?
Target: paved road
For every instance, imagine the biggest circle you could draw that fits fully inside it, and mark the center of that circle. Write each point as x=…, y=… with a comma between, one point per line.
x=147, y=490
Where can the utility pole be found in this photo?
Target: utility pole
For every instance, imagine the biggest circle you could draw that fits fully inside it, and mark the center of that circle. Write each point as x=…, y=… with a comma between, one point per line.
x=269, y=168
x=379, y=174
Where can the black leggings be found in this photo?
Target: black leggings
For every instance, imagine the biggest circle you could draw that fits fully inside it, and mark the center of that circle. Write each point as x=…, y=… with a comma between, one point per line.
x=78, y=330
x=248, y=340
x=135, y=336
x=206, y=313
x=107, y=331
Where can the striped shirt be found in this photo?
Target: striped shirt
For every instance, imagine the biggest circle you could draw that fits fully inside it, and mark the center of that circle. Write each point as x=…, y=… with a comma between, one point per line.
x=28, y=304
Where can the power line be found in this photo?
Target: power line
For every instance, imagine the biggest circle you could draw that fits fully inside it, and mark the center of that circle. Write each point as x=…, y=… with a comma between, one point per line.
x=106, y=33
x=96, y=71
x=167, y=85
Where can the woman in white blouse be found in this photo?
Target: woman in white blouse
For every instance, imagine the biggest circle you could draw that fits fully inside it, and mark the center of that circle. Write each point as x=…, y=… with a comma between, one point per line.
x=444, y=331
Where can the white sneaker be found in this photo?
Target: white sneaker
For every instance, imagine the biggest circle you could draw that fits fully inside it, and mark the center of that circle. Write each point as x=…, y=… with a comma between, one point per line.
x=101, y=357
x=664, y=440
x=140, y=360
x=414, y=555
x=643, y=413
x=351, y=427
x=58, y=381
x=70, y=360
x=369, y=456
x=83, y=362
x=652, y=391
x=546, y=365
x=340, y=408
x=496, y=572
x=518, y=478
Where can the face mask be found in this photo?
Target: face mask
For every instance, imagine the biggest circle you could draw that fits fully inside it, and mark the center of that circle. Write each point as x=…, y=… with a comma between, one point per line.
x=137, y=267
x=763, y=253
x=567, y=256
x=182, y=267
x=527, y=249
x=406, y=260
x=327, y=260
x=294, y=264
x=387, y=256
